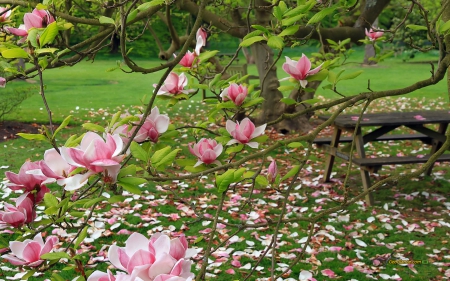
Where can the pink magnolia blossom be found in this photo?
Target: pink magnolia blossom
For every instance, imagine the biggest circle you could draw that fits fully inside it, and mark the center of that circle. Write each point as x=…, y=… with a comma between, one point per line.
x=236, y=93
x=374, y=35
x=207, y=151
x=244, y=132
x=6, y=14
x=188, y=59
x=56, y=169
x=154, y=125
x=28, y=181
x=2, y=82
x=35, y=19
x=201, y=36
x=96, y=155
x=29, y=252
x=300, y=69
x=272, y=172
x=18, y=215
x=173, y=85
x=157, y=258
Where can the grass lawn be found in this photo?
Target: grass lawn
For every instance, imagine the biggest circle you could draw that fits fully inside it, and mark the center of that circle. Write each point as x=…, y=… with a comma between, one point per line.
x=408, y=222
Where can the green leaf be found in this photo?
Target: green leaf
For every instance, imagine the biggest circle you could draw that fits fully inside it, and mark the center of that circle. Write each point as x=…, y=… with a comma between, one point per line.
x=50, y=200
x=45, y=51
x=93, y=127
x=320, y=76
x=132, y=15
x=321, y=15
x=64, y=124
x=215, y=80
x=127, y=171
x=291, y=173
x=238, y=174
x=116, y=198
x=234, y=149
x=106, y=20
x=51, y=211
x=147, y=6
x=168, y=159
x=73, y=140
x=251, y=34
x=43, y=63
x=300, y=9
x=169, y=135
x=291, y=21
x=32, y=37
x=224, y=180
x=288, y=101
x=260, y=139
x=205, y=56
x=33, y=136
x=138, y=152
x=261, y=180
x=29, y=273
x=291, y=30
x=261, y=28
x=185, y=162
x=253, y=102
x=92, y=202
x=443, y=28
x=311, y=101
x=251, y=41
x=15, y=53
x=41, y=7
x=350, y=75
x=286, y=88
x=295, y=144
x=277, y=13
x=275, y=42
x=133, y=180
x=55, y=256
x=197, y=169
x=49, y=34
x=115, y=117
x=199, y=239
x=3, y=242
x=160, y=154
x=227, y=104
x=130, y=187
x=417, y=27
x=282, y=6
x=81, y=237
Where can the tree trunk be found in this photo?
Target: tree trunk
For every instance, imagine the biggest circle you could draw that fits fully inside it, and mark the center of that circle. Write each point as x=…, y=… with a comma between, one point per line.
x=446, y=17
x=272, y=108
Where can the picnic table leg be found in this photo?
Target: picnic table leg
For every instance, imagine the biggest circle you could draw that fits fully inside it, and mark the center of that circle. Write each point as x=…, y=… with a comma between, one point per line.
x=330, y=158
x=359, y=142
x=436, y=144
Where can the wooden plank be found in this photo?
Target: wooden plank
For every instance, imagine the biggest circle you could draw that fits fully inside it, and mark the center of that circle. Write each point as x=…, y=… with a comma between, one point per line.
x=421, y=137
x=397, y=160
x=392, y=118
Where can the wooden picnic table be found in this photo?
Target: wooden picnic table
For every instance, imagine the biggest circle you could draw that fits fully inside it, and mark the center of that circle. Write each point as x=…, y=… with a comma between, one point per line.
x=386, y=122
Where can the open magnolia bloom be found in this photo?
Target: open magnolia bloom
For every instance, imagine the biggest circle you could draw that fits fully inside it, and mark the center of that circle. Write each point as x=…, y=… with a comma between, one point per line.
x=97, y=155
x=244, y=132
x=157, y=258
x=300, y=69
x=29, y=252
x=6, y=14
x=35, y=19
x=28, y=181
x=154, y=125
x=174, y=85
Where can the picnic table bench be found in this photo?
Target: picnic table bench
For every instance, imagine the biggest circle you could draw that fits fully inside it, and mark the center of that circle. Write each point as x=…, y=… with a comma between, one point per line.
x=386, y=122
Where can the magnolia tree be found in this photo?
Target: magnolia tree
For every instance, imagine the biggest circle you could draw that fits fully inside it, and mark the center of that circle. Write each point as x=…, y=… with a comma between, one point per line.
x=77, y=175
